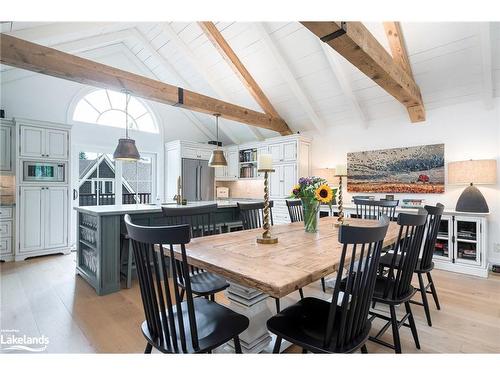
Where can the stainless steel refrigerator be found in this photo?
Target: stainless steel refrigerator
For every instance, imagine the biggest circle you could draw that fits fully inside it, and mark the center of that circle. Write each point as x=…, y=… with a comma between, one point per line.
x=197, y=180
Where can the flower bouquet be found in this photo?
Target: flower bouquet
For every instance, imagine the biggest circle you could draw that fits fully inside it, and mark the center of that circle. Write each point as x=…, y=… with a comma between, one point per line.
x=312, y=191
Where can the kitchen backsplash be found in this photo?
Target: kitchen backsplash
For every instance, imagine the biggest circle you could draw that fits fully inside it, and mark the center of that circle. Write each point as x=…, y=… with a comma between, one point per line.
x=7, y=189
x=244, y=189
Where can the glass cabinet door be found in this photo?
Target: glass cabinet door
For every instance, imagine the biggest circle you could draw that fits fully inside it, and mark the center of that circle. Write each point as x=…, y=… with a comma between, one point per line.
x=467, y=240
x=443, y=249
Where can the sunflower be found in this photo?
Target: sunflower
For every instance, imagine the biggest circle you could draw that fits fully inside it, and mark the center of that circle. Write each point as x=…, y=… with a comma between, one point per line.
x=324, y=193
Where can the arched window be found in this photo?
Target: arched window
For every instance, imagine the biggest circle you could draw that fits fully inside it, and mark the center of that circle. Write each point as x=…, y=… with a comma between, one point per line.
x=107, y=107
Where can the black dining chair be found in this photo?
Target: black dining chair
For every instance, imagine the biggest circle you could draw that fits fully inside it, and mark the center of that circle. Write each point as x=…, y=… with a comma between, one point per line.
x=252, y=215
x=296, y=214
x=372, y=210
x=201, y=223
x=172, y=325
x=394, y=287
x=425, y=264
x=340, y=325
x=295, y=210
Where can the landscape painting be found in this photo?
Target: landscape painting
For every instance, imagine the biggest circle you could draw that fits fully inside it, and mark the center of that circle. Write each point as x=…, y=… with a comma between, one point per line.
x=418, y=169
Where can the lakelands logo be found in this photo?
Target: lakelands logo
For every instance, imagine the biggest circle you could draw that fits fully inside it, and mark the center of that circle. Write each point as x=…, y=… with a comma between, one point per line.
x=11, y=341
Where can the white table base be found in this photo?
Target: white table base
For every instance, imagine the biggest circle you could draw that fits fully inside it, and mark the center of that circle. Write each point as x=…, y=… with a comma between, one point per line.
x=258, y=308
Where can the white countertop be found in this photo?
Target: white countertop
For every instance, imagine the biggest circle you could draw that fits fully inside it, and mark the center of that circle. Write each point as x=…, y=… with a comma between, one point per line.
x=123, y=209
x=447, y=211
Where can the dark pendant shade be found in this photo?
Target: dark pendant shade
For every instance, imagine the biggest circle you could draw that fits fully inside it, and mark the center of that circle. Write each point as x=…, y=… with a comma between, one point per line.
x=472, y=200
x=217, y=159
x=126, y=150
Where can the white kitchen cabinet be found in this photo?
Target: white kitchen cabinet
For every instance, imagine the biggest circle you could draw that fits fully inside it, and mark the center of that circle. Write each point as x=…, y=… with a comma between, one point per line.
x=232, y=164
x=32, y=218
x=283, y=152
x=282, y=180
x=43, y=217
x=32, y=142
x=6, y=162
x=6, y=233
x=56, y=143
x=56, y=217
x=40, y=142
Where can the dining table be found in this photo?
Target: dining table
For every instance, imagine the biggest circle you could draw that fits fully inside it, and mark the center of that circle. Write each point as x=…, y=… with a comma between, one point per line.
x=257, y=271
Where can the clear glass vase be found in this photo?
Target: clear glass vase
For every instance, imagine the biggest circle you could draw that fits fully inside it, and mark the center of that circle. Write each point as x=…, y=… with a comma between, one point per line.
x=311, y=214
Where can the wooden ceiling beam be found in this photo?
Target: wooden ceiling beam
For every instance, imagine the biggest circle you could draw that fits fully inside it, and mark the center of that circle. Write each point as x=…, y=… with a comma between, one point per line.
x=400, y=58
x=353, y=41
x=214, y=35
x=44, y=60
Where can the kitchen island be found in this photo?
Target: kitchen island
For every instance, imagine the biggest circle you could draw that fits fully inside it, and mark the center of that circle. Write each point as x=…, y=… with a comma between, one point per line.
x=100, y=229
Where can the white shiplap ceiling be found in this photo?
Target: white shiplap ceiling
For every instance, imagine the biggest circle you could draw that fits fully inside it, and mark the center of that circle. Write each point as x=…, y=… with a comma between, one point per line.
x=311, y=87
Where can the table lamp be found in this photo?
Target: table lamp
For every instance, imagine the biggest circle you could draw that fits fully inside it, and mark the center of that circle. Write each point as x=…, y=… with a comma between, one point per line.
x=472, y=172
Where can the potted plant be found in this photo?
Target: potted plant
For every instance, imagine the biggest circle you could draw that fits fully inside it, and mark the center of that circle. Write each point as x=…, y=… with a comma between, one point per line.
x=312, y=191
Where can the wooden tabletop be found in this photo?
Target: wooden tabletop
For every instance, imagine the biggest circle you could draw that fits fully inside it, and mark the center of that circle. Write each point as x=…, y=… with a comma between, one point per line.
x=298, y=259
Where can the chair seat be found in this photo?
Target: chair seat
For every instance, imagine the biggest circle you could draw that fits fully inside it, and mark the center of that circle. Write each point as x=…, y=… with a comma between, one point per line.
x=386, y=260
x=380, y=290
x=216, y=325
x=304, y=324
x=207, y=283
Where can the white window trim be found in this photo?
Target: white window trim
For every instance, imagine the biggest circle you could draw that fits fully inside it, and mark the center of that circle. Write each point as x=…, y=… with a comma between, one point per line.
x=82, y=96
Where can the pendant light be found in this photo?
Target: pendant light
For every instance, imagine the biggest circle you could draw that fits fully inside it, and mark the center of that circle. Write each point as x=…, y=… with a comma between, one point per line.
x=217, y=159
x=126, y=149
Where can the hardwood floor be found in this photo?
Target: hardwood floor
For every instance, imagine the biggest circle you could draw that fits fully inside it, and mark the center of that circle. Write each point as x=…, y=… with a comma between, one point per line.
x=43, y=296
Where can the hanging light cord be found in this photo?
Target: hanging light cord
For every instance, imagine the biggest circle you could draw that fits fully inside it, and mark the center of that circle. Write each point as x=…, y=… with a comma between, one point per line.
x=217, y=129
x=126, y=114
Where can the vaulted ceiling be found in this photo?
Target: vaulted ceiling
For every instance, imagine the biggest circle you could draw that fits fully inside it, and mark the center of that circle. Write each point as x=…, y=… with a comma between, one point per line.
x=311, y=87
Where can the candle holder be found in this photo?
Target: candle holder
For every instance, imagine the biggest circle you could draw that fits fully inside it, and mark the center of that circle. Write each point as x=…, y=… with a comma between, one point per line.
x=340, y=220
x=266, y=238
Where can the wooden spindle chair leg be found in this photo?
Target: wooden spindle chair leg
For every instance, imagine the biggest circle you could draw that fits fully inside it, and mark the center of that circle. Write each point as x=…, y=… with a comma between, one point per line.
x=425, y=302
x=149, y=348
x=413, y=326
x=237, y=345
x=277, y=345
x=277, y=301
x=364, y=350
x=395, y=330
x=433, y=290
x=301, y=292
x=323, y=284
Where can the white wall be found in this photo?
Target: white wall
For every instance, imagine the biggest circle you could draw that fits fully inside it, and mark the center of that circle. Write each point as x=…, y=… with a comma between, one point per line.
x=467, y=130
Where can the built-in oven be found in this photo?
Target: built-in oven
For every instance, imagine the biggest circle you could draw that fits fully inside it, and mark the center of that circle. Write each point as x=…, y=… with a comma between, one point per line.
x=35, y=171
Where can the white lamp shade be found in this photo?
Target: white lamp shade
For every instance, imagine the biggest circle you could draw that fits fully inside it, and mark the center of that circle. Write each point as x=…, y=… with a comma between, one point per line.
x=472, y=171
x=341, y=170
x=328, y=174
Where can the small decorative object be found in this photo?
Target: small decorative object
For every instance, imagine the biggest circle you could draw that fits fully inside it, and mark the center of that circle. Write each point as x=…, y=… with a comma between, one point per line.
x=126, y=149
x=217, y=159
x=472, y=172
x=312, y=191
x=389, y=197
x=340, y=172
x=418, y=169
x=265, y=165
x=412, y=203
